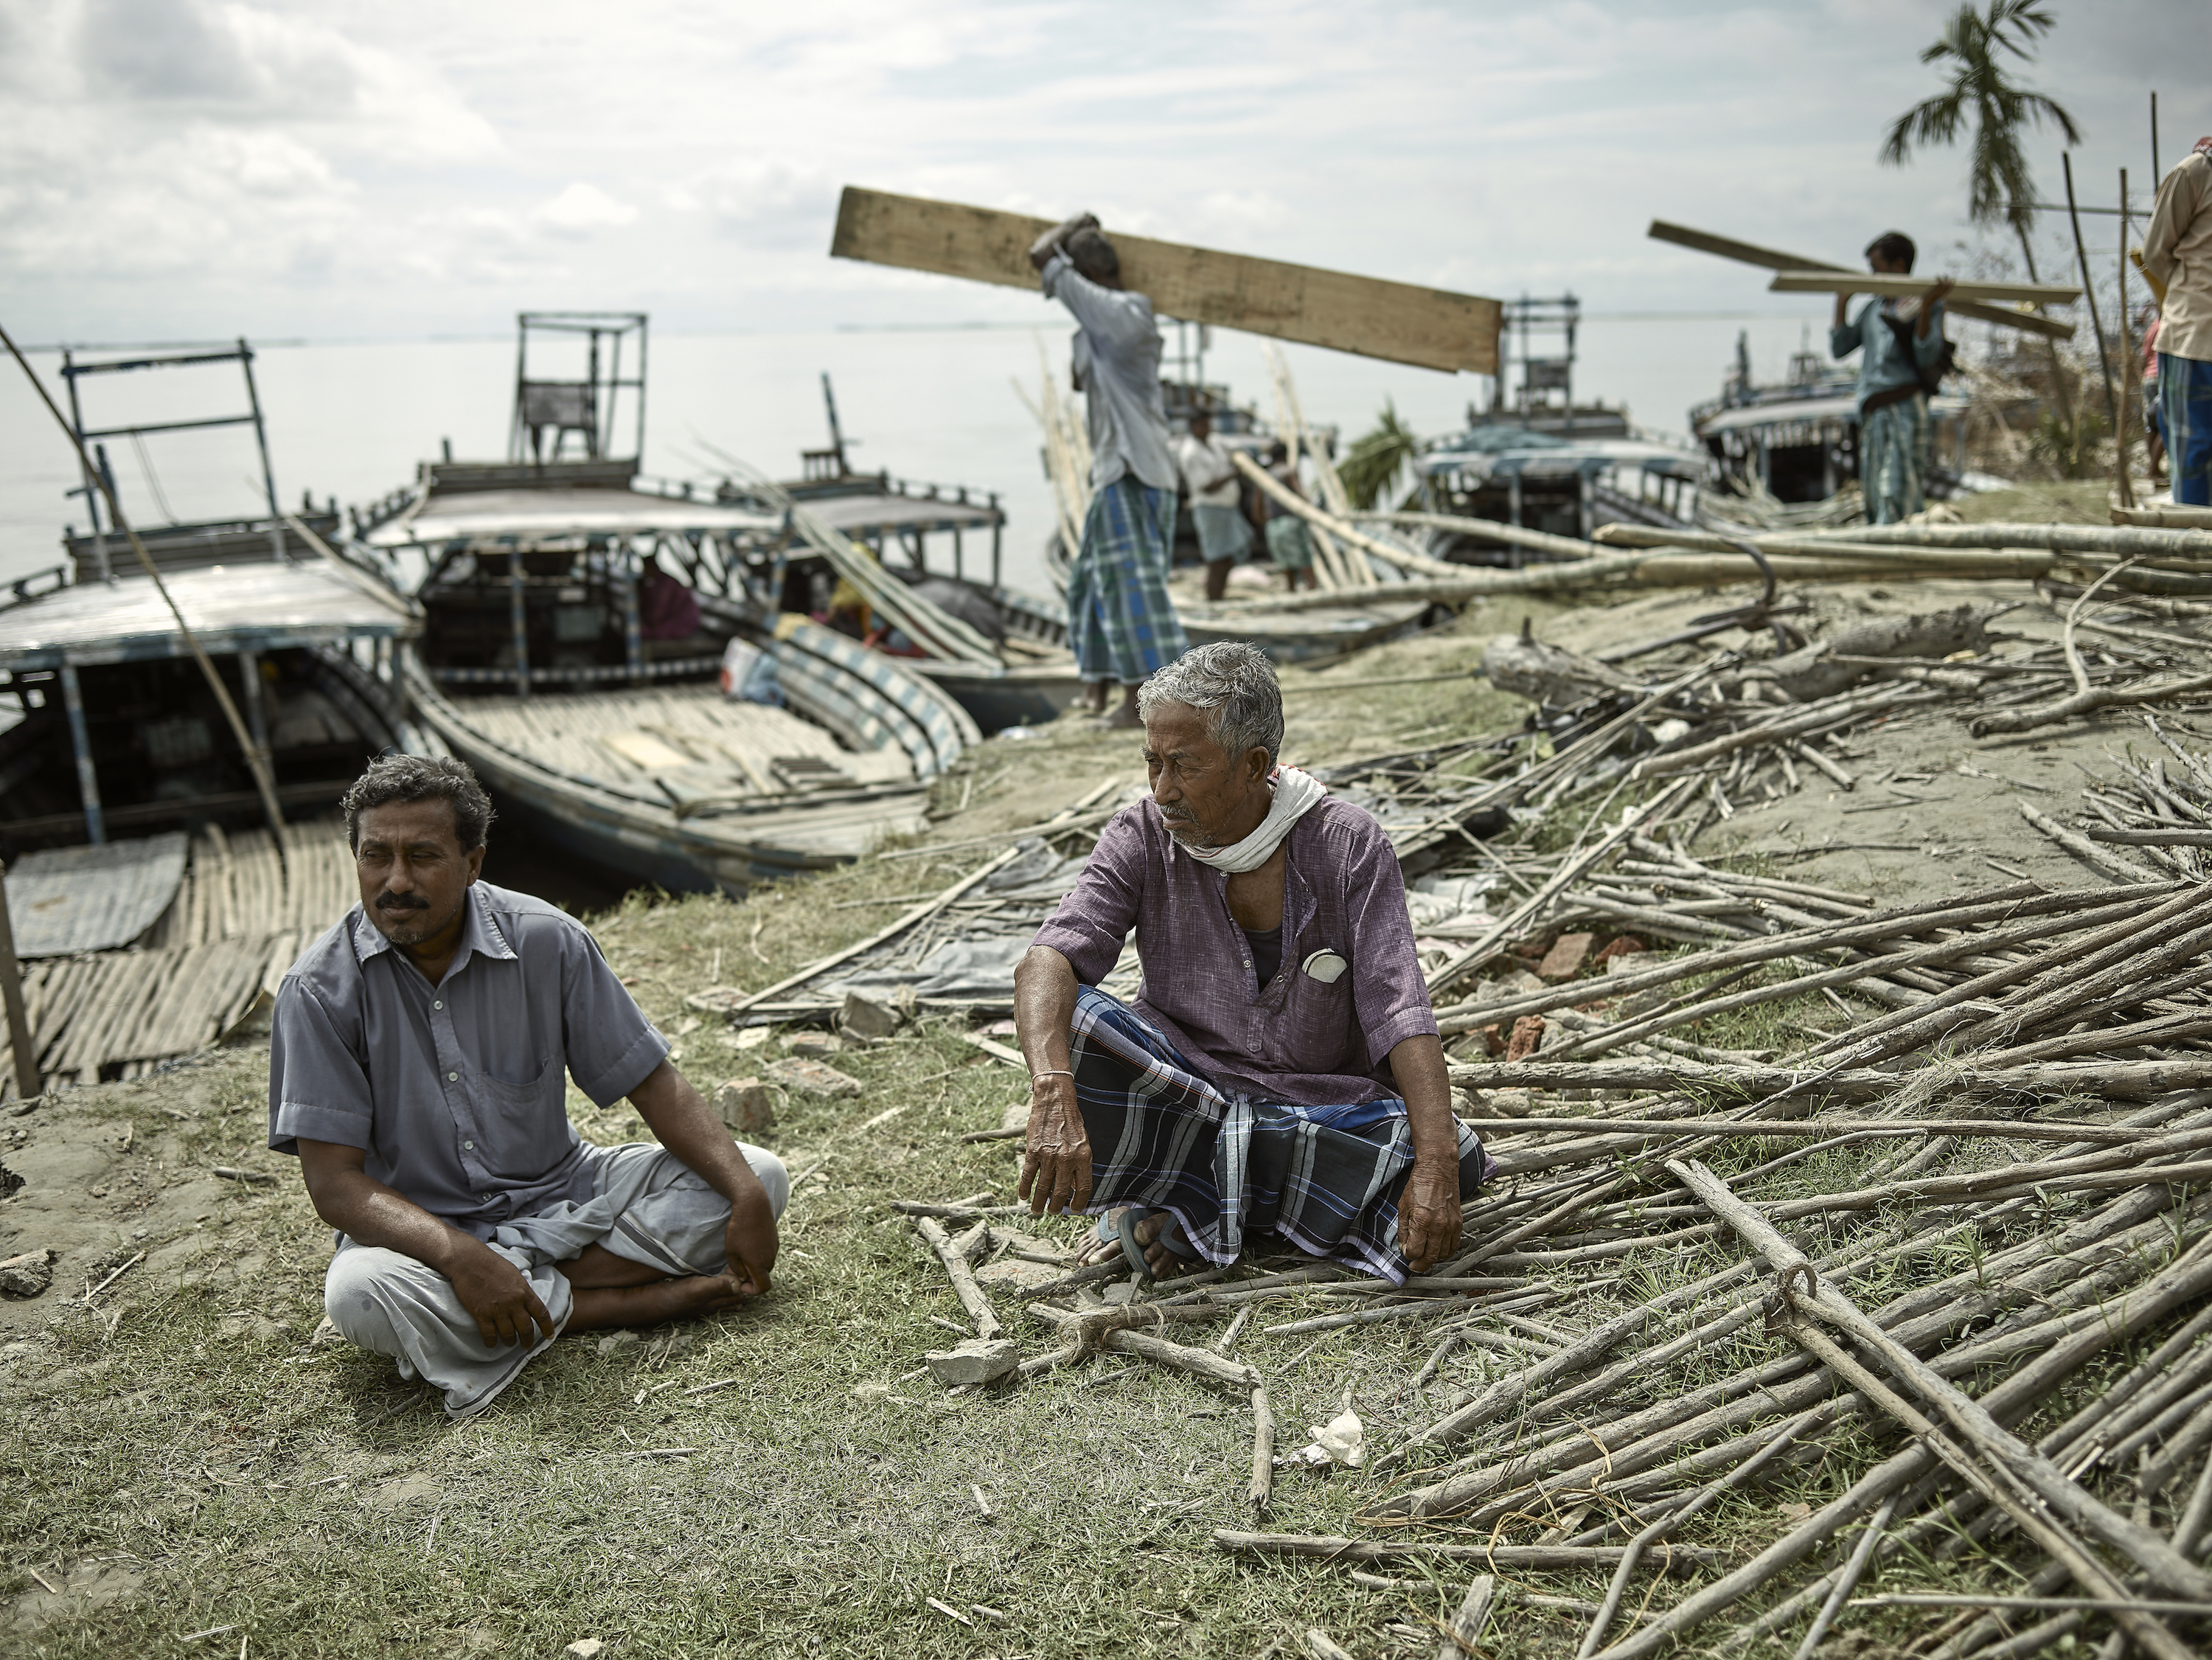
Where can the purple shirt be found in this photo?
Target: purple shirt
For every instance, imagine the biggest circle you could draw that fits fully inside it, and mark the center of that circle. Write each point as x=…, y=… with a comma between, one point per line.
x=1297, y=1039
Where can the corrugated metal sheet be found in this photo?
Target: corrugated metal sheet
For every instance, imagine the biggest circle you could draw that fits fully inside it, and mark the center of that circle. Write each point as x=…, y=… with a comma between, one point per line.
x=67, y=900
x=530, y=514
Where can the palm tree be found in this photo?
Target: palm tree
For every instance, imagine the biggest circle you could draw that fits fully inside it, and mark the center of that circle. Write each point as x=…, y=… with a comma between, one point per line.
x=2000, y=187
x=1371, y=466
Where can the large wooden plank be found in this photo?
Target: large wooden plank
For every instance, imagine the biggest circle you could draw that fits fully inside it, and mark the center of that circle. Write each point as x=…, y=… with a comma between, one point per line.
x=1910, y=287
x=1432, y=328
x=1750, y=254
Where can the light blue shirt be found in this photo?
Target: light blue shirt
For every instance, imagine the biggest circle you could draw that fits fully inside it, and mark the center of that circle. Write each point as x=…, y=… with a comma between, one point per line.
x=455, y=1090
x=1117, y=364
x=1887, y=362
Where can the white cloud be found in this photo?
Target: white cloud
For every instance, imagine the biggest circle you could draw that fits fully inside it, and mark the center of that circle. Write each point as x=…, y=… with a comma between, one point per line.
x=582, y=209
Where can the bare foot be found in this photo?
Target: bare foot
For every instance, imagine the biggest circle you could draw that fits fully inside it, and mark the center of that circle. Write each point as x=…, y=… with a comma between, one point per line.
x=1164, y=1263
x=690, y=1297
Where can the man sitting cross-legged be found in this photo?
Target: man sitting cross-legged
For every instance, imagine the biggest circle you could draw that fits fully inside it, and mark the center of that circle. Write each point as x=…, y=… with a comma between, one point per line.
x=417, y=1070
x=1280, y=1072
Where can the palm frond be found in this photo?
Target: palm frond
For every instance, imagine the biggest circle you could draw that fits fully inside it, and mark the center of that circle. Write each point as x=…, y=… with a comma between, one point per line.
x=1376, y=458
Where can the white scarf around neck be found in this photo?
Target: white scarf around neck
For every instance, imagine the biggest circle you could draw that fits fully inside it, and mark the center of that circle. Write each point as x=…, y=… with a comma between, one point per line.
x=1297, y=792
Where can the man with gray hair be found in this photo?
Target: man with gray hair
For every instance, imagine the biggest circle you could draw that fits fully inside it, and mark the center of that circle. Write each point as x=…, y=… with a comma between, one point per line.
x=418, y=1070
x=1121, y=622
x=1280, y=1072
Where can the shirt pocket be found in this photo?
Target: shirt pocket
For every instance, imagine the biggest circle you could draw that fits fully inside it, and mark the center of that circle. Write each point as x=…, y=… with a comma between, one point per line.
x=1314, y=1032
x=526, y=1120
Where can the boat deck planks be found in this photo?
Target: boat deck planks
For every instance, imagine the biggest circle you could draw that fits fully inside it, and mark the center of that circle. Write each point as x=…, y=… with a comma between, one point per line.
x=241, y=914
x=640, y=742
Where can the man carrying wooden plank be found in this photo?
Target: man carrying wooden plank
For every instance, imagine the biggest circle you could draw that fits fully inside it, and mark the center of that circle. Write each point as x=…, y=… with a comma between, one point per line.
x=2178, y=252
x=418, y=1069
x=1902, y=362
x=1121, y=622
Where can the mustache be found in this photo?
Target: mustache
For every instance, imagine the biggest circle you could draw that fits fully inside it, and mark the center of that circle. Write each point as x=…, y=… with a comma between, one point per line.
x=401, y=902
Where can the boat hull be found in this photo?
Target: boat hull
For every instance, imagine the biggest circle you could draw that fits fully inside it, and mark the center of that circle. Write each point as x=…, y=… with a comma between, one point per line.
x=865, y=700
x=1027, y=696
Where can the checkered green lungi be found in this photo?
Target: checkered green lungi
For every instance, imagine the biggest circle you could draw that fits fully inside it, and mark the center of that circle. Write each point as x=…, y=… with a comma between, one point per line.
x=2185, y=390
x=1121, y=622
x=1289, y=545
x=1893, y=459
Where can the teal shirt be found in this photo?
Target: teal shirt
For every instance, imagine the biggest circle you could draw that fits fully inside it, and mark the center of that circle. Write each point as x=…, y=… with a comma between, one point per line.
x=1886, y=362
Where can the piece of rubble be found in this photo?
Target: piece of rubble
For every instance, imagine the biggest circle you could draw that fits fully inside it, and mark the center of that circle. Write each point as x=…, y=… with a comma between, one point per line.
x=812, y=1077
x=1564, y=959
x=814, y=1045
x=725, y=1001
x=748, y=1106
x=975, y=1360
x=1527, y=1038
x=27, y=1275
x=865, y=1016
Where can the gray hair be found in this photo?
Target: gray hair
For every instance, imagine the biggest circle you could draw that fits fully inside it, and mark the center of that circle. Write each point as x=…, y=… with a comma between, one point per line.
x=1234, y=684
x=394, y=777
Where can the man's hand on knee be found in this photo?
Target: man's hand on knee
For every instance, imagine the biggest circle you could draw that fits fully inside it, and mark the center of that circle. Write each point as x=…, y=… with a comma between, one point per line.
x=749, y=1241
x=1056, y=1158
x=498, y=1298
x=1428, y=1216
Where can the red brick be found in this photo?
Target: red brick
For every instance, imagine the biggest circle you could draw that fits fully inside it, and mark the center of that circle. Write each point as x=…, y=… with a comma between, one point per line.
x=1564, y=959
x=1527, y=1035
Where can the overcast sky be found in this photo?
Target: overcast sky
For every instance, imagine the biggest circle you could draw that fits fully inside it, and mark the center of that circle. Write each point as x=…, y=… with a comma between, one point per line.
x=178, y=168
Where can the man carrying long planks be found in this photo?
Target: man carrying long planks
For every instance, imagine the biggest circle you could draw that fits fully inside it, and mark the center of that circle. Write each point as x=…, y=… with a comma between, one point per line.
x=417, y=1070
x=1280, y=1072
x=1120, y=620
x=1901, y=357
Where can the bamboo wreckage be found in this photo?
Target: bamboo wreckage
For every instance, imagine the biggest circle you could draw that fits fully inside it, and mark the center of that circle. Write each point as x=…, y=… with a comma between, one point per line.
x=1960, y=1256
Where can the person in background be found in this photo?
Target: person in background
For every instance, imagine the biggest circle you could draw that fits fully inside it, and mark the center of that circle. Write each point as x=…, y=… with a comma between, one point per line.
x=1289, y=543
x=1120, y=622
x=1210, y=480
x=2178, y=256
x=1902, y=352
x=668, y=615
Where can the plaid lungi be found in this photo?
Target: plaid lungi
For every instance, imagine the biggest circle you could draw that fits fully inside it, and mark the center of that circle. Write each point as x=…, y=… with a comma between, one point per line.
x=1893, y=459
x=1289, y=544
x=1120, y=620
x=2184, y=390
x=1325, y=1179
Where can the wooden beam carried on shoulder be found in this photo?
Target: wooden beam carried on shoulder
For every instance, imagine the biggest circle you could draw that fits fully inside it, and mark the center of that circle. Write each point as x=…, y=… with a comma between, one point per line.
x=1963, y=289
x=1750, y=254
x=1430, y=328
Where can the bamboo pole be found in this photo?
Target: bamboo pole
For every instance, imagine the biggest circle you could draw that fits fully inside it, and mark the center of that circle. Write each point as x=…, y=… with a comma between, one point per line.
x=22, y=1042
x=1968, y=1418
x=2089, y=294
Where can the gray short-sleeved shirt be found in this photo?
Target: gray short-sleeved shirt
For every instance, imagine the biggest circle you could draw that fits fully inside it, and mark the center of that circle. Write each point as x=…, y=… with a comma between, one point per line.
x=455, y=1090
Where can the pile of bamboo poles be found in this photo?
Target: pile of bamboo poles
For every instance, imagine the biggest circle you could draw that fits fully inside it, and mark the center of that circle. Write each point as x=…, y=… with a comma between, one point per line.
x=1946, y=1240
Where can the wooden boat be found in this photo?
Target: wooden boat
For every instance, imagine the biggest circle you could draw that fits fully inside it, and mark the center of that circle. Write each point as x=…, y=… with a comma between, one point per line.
x=534, y=663
x=1028, y=678
x=119, y=730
